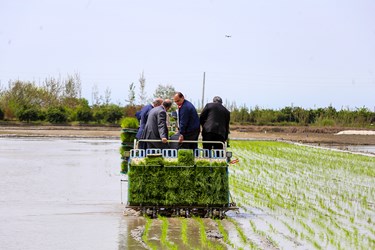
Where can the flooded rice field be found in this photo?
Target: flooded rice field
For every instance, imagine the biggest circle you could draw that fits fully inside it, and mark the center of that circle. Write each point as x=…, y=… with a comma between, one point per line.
x=59, y=194
x=66, y=194
x=367, y=149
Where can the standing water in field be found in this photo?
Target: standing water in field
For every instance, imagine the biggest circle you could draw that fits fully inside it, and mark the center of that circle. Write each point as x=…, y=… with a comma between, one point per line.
x=65, y=194
x=59, y=194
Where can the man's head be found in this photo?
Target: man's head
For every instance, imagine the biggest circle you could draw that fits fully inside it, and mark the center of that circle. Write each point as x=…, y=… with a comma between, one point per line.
x=157, y=102
x=178, y=98
x=217, y=99
x=167, y=104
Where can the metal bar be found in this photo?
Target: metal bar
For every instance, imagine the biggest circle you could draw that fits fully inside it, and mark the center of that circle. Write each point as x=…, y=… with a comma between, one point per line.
x=185, y=141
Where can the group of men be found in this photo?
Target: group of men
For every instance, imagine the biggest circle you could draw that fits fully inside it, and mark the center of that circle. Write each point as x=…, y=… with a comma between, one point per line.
x=214, y=120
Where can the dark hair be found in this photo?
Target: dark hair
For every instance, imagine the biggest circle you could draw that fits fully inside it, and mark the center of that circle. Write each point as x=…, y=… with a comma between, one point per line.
x=217, y=99
x=180, y=94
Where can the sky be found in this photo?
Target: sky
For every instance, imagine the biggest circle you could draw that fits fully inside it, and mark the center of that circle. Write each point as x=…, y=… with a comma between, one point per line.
x=269, y=53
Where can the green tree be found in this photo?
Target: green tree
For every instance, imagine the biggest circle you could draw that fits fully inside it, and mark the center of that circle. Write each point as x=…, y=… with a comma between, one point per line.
x=301, y=115
x=363, y=116
x=20, y=95
x=288, y=114
x=164, y=91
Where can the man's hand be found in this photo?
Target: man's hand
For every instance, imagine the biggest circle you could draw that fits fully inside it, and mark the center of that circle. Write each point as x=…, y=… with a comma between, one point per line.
x=164, y=140
x=181, y=138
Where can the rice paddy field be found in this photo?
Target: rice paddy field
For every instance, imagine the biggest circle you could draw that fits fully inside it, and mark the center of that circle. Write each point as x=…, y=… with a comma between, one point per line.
x=290, y=197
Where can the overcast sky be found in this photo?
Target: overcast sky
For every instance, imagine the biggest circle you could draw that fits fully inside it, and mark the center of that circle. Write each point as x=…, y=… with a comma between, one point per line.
x=307, y=53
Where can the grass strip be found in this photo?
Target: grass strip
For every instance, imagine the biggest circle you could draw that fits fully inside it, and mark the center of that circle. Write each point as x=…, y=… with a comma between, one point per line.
x=184, y=227
x=146, y=232
x=164, y=233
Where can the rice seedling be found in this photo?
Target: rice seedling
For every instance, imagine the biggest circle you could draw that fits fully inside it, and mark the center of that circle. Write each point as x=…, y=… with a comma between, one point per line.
x=202, y=232
x=323, y=195
x=224, y=233
x=243, y=235
x=270, y=240
x=164, y=234
x=184, y=227
x=146, y=232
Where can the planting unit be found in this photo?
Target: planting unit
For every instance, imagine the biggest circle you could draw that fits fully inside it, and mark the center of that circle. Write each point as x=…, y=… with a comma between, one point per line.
x=181, y=182
x=127, y=144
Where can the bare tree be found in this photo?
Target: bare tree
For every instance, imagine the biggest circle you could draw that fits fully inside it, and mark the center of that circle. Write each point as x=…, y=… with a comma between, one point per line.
x=96, y=98
x=142, y=91
x=53, y=90
x=72, y=91
x=131, y=95
x=107, y=96
x=72, y=86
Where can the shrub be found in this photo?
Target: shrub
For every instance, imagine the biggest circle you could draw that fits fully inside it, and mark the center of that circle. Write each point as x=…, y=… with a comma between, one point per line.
x=30, y=114
x=98, y=115
x=113, y=114
x=84, y=114
x=325, y=122
x=56, y=115
x=1, y=114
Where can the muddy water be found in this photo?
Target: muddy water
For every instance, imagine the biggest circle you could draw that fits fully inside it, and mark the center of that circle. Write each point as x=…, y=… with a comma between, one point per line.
x=367, y=149
x=61, y=194
x=66, y=194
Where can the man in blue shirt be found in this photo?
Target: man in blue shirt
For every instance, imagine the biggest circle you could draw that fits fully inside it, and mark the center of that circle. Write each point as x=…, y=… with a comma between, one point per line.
x=188, y=125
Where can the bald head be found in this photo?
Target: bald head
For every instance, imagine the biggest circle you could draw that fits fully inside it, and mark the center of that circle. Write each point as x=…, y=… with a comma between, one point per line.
x=167, y=104
x=178, y=98
x=157, y=102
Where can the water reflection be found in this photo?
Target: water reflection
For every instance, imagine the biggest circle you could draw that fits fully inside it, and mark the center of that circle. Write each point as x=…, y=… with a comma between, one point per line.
x=369, y=149
x=60, y=194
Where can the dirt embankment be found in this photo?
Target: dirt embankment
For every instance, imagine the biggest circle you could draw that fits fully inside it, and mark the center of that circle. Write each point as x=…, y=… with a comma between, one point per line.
x=297, y=134
x=326, y=135
x=60, y=131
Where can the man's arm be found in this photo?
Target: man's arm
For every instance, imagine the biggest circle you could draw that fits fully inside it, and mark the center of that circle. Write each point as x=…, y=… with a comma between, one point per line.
x=162, y=126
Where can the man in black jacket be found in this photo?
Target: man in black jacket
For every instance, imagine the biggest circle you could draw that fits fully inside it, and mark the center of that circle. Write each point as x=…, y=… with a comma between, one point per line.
x=215, y=123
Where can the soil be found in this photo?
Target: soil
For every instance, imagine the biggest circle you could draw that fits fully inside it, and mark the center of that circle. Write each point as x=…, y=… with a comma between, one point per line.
x=296, y=134
x=316, y=135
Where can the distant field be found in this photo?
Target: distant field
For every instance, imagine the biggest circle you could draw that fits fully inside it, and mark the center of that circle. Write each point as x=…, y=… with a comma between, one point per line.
x=297, y=196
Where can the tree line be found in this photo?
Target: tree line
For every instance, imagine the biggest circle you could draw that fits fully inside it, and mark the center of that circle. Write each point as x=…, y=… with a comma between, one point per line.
x=59, y=101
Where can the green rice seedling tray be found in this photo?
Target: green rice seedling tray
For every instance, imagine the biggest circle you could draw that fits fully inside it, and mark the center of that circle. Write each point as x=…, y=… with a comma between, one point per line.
x=178, y=185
